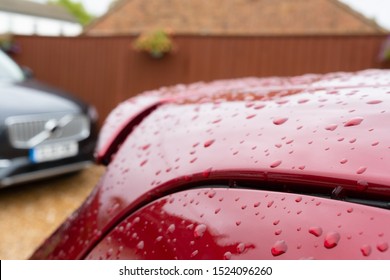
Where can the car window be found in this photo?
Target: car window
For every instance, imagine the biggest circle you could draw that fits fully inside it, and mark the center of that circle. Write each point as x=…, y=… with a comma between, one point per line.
x=9, y=71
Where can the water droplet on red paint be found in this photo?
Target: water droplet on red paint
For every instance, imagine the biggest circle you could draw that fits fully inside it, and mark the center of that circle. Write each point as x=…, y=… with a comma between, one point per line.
x=316, y=231
x=275, y=163
x=216, y=121
x=241, y=248
x=143, y=162
x=140, y=245
x=331, y=240
x=243, y=207
x=301, y=167
x=373, y=102
x=276, y=222
x=366, y=250
x=145, y=147
x=227, y=256
x=298, y=199
x=350, y=210
x=200, y=230
x=206, y=173
x=301, y=101
x=257, y=107
x=270, y=203
x=136, y=220
x=159, y=238
x=256, y=204
x=217, y=210
x=362, y=185
x=211, y=193
x=278, y=145
x=208, y=143
x=382, y=247
x=331, y=127
x=279, y=248
x=194, y=253
x=344, y=161
x=361, y=170
x=354, y=121
x=193, y=160
x=251, y=116
x=171, y=228
x=280, y=121
x=238, y=223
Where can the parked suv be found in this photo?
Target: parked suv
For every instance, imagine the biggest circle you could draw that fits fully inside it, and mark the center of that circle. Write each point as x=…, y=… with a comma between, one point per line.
x=43, y=131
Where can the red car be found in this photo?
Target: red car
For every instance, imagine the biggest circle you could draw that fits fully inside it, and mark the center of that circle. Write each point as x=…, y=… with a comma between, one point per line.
x=269, y=168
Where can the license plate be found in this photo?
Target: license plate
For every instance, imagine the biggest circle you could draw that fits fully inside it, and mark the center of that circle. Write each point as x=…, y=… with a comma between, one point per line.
x=54, y=151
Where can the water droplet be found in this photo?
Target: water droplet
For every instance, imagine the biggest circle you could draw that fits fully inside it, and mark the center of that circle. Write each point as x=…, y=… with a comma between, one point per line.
x=243, y=207
x=278, y=232
x=366, y=250
x=143, y=162
x=316, y=231
x=344, y=161
x=206, y=173
x=227, y=256
x=275, y=163
x=362, y=185
x=251, y=116
x=159, y=238
x=257, y=107
x=301, y=167
x=301, y=101
x=200, y=230
x=361, y=170
x=298, y=199
x=257, y=204
x=217, y=210
x=208, y=143
x=280, y=121
x=373, y=102
x=270, y=203
x=241, y=248
x=375, y=143
x=211, y=194
x=276, y=222
x=382, y=247
x=331, y=127
x=171, y=228
x=194, y=253
x=354, y=121
x=238, y=223
x=140, y=245
x=145, y=147
x=331, y=240
x=279, y=248
x=350, y=210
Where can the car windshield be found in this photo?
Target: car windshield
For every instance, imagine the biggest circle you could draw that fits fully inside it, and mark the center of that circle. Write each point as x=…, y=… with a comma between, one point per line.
x=9, y=71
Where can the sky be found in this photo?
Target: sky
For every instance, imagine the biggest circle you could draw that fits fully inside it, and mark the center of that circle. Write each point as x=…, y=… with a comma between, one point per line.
x=376, y=9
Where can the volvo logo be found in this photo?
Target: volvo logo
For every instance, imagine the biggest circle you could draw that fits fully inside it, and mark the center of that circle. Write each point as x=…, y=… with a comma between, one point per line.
x=52, y=127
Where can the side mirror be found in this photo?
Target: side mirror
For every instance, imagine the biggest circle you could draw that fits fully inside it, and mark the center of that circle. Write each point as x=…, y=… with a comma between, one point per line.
x=28, y=73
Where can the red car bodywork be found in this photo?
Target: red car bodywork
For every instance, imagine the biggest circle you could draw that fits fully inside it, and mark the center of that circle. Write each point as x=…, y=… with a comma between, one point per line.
x=284, y=168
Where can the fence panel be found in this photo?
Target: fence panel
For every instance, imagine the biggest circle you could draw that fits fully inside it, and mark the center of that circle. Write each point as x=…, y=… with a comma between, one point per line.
x=106, y=70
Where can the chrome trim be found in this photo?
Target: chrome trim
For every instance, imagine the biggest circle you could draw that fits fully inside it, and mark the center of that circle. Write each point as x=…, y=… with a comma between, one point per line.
x=40, y=174
x=25, y=132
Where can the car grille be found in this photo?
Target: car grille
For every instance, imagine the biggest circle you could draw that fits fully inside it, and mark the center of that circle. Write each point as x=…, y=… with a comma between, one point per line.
x=53, y=128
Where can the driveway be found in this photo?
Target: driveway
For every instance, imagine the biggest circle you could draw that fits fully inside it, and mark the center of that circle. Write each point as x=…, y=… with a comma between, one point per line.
x=29, y=213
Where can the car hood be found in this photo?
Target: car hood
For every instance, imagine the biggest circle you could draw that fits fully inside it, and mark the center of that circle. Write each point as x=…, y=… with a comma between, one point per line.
x=31, y=97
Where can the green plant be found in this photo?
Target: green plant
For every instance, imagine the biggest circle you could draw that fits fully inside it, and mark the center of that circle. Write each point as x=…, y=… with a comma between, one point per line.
x=156, y=43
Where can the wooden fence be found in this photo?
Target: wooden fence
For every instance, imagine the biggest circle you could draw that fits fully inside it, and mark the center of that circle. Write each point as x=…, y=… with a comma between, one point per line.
x=106, y=70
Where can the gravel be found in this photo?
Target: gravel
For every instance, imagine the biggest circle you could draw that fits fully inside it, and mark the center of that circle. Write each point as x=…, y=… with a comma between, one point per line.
x=30, y=213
